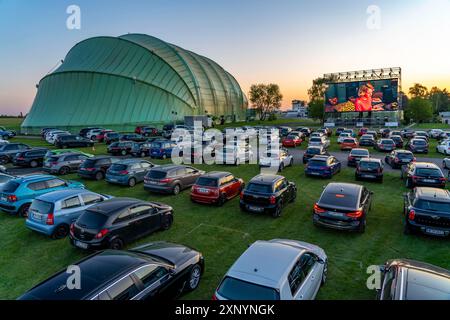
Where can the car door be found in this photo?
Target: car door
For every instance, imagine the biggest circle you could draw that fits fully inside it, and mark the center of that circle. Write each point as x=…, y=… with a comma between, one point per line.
x=191, y=176
x=146, y=167
x=305, y=267
x=146, y=218
x=78, y=161
x=157, y=283
x=70, y=209
x=125, y=227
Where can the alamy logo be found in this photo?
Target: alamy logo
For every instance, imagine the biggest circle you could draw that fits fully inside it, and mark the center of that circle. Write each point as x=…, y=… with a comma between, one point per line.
x=374, y=19
x=374, y=280
x=74, y=280
x=73, y=21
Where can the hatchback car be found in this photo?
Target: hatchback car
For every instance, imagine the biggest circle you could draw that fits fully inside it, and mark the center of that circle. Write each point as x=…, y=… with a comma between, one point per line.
x=424, y=174
x=367, y=140
x=291, y=141
x=349, y=144
x=398, y=158
x=319, y=142
x=343, y=206
x=385, y=145
x=343, y=136
x=443, y=147
x=310, y=152
x=282, y=159
x=128, y=172
x=64, y=163
x=404, y=279
x=369, y=168
x=267, y=194
x=362, y=131
x=216, y=187
x=54, y=212
x=397, y=140
x=124, y=148
x=275, y=270
x=8, y=151
x=18, y=193
x=427, y=210
x=171, y=178
x=72, y=141
x=32, y=158
x=162, y=149
x=418, y=146
x=133, y=137
x=56, y=152
x=111, y=137
x=96, y=167
x=153, y=271
x=323, y=166
x=356, y=155
x=118, y=221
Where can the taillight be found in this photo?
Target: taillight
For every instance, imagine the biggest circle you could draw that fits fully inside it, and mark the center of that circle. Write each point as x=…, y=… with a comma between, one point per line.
x=12, y=198
x=241, y=195
x=20, y=158
x=123, y=172
x=414, y=159
x=89, y=169
x=50, y=219
x=214, y=297
x=101, y=234
x=396, y=160
x=318, y=209
x=272, y=199
x=414, y=177
x=166, y=180
x=442, y=179
x=355, y=214
x=72, y=228
x=411, y=215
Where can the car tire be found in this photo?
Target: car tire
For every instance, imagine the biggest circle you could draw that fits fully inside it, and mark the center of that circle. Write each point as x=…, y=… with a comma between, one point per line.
x=167, y=223
x=444, y=165
x=4, y=160
x=63, y=171
x=408, y=183
x=116, y=244
x=362, y=226
x=278, y=210
x=164, y=157
x=33, y=164
x=131, y=182
x=23, y=210
x=280, y=169
x=176, y=189
x=123, y=153
x=194, y=278
x=143, y=154
x=93, y=138
x=60, y=232
x=222, y=200
x=99, y=176
x=324, y=274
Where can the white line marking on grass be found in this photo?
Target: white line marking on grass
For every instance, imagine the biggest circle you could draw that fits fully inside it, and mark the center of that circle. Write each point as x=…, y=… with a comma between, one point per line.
x=246, y=234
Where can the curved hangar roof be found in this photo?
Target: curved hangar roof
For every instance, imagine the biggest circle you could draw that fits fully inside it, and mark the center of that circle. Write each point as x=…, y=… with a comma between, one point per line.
x=132, y=79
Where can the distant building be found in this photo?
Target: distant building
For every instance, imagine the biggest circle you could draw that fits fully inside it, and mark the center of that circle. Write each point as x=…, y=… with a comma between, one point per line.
x=445, y=117
x=300, y=107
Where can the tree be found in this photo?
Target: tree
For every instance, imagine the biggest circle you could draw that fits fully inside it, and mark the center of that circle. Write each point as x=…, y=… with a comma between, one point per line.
x=418, y=91
x=419, y=109
x=317, y=91
x=265, y=98
x=315, y=109
x=440, y=99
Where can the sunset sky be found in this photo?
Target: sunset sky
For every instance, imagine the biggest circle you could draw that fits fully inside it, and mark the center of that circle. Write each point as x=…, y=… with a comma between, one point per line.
x=288, y=42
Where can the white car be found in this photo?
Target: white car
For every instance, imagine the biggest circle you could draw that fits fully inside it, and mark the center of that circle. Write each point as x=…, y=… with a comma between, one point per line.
x=53, y=136
x=93, y=133
x=275, y=270
x=343, y=136
x=435, y=133
x=444, y=147
x=317, y=134
x=284, y=160
x=319, y=142
x=446, y=163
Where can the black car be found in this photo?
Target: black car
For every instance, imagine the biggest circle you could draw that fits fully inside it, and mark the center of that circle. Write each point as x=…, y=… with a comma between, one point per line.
x=32, y=158
x=150, y=132
x=404, y=279
x=312, y=151
x=144, y=148
x=119, y=221
x=133, y=137
x=407, y=133
x=71, y=141
x=167, y=130
x=425, y=174
x=339, y=131
x=111, y=137
x=305, y=131
x=417, y=145
x=124, y=148
x=384, y=133
x=343, y=206
x=369, y=168
x=171, y=178
x=373, y=133
x=397, y=140
x=96, y=167
x=367, y=140
x=157, y=270
x=268, y=194
x=8, y=151
x=83, y=132
x=427, y=210
x=399, y=158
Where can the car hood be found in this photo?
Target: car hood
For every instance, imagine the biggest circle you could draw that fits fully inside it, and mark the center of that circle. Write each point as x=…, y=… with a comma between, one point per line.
x=174, y=253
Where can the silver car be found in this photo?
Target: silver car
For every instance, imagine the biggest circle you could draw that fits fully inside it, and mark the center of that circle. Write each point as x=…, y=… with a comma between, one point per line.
x=319, y=142
x=285, y=159
x=275, y=270
x=64, y=163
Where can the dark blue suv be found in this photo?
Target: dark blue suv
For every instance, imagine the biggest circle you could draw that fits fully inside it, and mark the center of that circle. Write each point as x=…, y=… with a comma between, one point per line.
x=162, y=149
x=322, y=166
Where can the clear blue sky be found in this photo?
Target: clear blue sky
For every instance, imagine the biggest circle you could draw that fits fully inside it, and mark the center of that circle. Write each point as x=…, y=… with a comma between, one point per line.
x=289, y=42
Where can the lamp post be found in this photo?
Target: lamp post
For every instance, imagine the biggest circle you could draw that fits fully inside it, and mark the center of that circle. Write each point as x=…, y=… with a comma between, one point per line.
x=174, y=114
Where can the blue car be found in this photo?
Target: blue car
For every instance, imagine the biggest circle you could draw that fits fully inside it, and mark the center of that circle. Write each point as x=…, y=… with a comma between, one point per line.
x=128, y=172
x=54, y=212
x=322, y=166
x=162, y=149
x=17, y=194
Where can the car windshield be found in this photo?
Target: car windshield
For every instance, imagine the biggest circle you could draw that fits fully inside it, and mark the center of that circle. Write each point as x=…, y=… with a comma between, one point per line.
x=342, y=199
x=315, y=140
x=387, y=142
x=10, y=187
x=359, y=152
x=156, y=174
x=5, y=178
x=429, y=172
x=313, y=151
x=292, y=137
x=259, y=188
x=207, y=182
x=349, y=141
x=366, y=165
x=41, y=206
x=317, y=163
x=234, y=289
x=432, y=205
x=419, y=142
x=92, y=219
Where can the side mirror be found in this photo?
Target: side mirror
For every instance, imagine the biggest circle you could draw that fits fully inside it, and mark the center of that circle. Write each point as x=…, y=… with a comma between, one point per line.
x=172, y=272
x=320, y=261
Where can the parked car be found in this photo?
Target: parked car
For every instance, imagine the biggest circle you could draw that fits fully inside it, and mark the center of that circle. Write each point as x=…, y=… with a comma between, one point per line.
x=53, y=136
x=413, y=280
x=124, y=148
x=297, y=272
x=231, y=154
x=32, y=158
x=96, y=167
x=323, y=166
x=343, y=136
x=369, y=168
x=343, y=206
x=284, y=131
x=435, y=133
x=367, y=140
x=18, y=193
x=310, y=152
x=356, y=155
x=397, y=140
x=45, y=130
x=56, y=152
x=446, y=163
x=385, y=145
x=83, y=132
x=72, y=141
x=268, y=194
x=140, y=129
x=339, y=130
x=65, y=163
x=282, y=159
x=117, y=222
x=305, y=131
x=423, y=174
x=373, y=133
x=111, y=137
x=349, y=144
x=216, y=188
x=54, y=212
x=384, y=132
x=92, y=134
x=150, y=132
x=417, y=146
x=351, y=132
x=162, y=149
x=153, y=271
x=8, y=151
x=167, y=130
x=398, y=158
x=292, y=140
x=443, y=147
x=407, y=133
x=319, y=142
x=427, y=211
x=171, y=178
x=422, y=134
x=100, y=137
x=132, y=137
x=128, y=172
x=395, y=133
x=362, y=131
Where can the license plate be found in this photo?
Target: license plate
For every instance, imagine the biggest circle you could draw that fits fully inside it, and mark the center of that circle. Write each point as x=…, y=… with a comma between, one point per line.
x=335, y=214
x=429, y=180
x=4, y=199
x=435, y=232
x=112, y=180
x=315, y=173
x=202, y=190
x=153, y=182
x=257, y=209
x=368, y=176
x=36, y=216
x=81, y=245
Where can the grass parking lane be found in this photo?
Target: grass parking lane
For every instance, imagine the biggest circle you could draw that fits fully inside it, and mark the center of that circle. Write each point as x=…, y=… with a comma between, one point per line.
x=223, y=233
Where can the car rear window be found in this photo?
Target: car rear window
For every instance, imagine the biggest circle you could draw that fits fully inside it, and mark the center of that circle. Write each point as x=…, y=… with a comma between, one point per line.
x=92, y=219
x=419, y=142
x=5, y=178
x=118, y=167
x=207, y=182
x=360, y=152
x=259, y=188
x=312, y=151
x=342, y=199
x=349, y=141
x=365, y=165
x=405, y=156
x=315, y=140
x=387, y=141
x=432, y=205
x=156, y=145
x=10, y=187
x=315, y=162
x=429, y=172
x=291, y=137
x=88, y=163
x=156, y=174
x=234, y=289
x=41, y=206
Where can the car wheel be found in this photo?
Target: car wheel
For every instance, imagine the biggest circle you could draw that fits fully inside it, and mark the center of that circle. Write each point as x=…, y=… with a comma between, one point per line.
x=3, y=160
x=444, y=164
x=176, y=189
x=164, y=157
x=408, y=183
x=324, y=273
x=278, y=209
x=93, y=138
x=116, y=244
x=132, y=182
x=23, y=210
x=33, y=164
x=362, y=226
x=99, y=176
x=194, y=278
x=291, y=163
x=407, y=229
x=143, y=154
x=167, y=222
x=281, y=167
x=221, y=200
x=61, y=232
x=64, y=170
x=123, y=152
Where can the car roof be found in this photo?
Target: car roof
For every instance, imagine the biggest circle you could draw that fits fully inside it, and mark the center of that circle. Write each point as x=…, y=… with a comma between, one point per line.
x=168, y=167
x=320, y=157
x=61, y=194
x=266, y=178
x=432, y=194
x=426, y=165
x=370, y=160
x=359, y=149
x=67, y=154
x=129, y=161
x=114, y=205
x=403, y=151
x=33, y=177
x=254, y=266
x=337, y=187
x=216, y=174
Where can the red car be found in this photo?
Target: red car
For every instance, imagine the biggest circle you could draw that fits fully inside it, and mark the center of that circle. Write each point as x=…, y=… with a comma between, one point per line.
x=362, y=131
x=216, y=188
x=101, y=136
x=349, y=144
x=292, y=141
